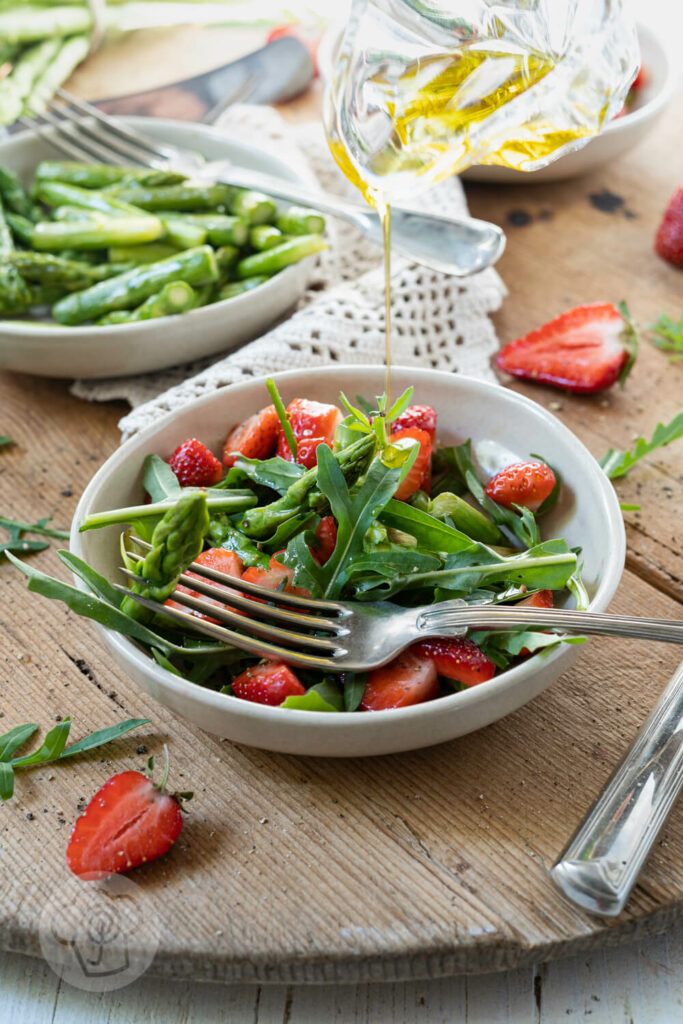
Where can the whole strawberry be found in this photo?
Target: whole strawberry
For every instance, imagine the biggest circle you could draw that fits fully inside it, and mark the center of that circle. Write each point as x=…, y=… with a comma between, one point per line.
x=669, y=240
x=129, y=821
x=194, y=465
x=522, y=483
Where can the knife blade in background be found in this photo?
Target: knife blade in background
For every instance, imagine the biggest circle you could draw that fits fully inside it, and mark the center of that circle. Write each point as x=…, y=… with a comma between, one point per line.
x=278, y=71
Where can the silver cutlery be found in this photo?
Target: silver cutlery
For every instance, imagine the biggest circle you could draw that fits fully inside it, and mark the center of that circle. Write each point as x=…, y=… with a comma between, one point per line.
x=82, y=132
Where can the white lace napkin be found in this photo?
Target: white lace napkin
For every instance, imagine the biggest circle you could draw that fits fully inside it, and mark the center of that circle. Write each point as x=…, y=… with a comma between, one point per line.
x=438, y=321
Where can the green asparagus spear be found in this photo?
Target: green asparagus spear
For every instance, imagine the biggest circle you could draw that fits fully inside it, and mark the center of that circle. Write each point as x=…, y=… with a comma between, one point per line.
x=303, y=496
x=57, y=193
x=152, y=252
x=101, y=175
x=14, y=292
x=22, y=227
x=183, y=234
x=14, y=195
x=174, y=197
x=75, y=213
x=68, y=57
x=233, y=288
x=46, y=268
x=195, y=266
x=226, y=257
x=29, y=66
x=8, y=52
x=222, y=228
x=265, y=236
x=280, y=256
x=24, y=23
x=297, y=220
x=255, y=207
x=99, y=234
x=176, y=542
x=175, y=297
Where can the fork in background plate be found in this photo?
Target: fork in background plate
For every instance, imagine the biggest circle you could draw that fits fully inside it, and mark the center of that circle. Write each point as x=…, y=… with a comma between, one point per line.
x=82, y=132
x=338, y=636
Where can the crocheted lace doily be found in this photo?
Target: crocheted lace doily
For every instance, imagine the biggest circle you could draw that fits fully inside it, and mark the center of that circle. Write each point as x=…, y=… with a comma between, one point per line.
x=438, y=321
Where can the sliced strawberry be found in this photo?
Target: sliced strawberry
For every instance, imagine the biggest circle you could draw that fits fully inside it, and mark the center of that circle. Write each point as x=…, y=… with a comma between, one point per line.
x=669, y=240
x=276, y=577
x=458, y=658
x=522, y=483
x=541, y=599
x=306, y=450
x=268, y=683
x=327, y=535
x=584, y=350
x=256, y=438
x=409, y=679
x=420, y=467
x=312, y=424
x=128, y=822
x=423, y=417
x=215, y=558
x=195, y=465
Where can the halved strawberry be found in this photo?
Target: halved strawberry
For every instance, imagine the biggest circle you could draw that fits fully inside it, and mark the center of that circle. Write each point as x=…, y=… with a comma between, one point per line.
x=276, y=577
x=327, y=535
x=541, y=599
x=419, y=471
x=458, y=658
x=584, y=350
x=215, y=558
x=312, y=424
x=194, y=465
x=421, y=416
x=256, y=438
x=268, y=683
x=409, y=679
x=128, y=822
x=669, y=240
x=522, y=483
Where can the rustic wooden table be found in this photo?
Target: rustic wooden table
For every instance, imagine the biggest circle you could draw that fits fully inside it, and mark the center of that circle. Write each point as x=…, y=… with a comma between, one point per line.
x=412, y=866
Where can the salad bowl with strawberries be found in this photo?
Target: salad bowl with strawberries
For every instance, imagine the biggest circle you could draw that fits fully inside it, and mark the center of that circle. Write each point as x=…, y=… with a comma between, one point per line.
x=461, y=489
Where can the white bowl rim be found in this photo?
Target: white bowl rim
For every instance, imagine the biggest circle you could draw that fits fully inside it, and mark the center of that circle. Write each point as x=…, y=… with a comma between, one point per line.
x=38, y=329
x=320, y=719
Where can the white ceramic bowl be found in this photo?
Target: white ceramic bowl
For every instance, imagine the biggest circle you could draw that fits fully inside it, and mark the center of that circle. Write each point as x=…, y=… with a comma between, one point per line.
x=614, y=140
x=587, y=515
x=48, y=350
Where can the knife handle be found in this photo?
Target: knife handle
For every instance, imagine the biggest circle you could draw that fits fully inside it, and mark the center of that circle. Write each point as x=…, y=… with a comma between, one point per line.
x=599, y=866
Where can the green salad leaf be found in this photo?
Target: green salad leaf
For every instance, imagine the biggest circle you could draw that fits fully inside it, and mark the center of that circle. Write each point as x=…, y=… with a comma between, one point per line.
x=668, y=336
x=617, y=463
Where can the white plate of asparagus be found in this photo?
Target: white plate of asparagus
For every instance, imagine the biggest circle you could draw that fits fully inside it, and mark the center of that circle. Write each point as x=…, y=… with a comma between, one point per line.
x=113, y=271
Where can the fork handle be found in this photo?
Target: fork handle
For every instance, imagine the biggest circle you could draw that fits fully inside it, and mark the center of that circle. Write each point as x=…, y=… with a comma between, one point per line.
x=600, y=865
x=444, y=621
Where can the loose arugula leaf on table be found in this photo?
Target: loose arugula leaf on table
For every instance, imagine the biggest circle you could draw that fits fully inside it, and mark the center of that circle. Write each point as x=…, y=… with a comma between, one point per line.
x=5, y=440
x=53, y=747
x=668, y=336
x=18, y=542
x=617, y=463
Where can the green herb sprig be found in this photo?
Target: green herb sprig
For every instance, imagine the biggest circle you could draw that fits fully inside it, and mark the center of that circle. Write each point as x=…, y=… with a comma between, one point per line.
x=668, y=336
x=617, y=463
x=17, y=540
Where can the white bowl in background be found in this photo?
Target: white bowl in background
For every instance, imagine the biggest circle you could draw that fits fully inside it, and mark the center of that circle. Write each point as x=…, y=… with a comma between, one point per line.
x=49, y=350
x=616, y=138
x=587, y=515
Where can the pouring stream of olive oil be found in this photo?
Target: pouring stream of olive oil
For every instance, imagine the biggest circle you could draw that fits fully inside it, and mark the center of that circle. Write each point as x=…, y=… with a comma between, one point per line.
x=435, y=110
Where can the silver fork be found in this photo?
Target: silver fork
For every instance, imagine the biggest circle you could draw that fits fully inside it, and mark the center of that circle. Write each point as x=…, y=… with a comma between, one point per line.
x=82, y=132
x=337, y=636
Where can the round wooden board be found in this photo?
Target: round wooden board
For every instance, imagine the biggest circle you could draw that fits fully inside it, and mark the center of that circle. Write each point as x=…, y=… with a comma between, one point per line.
x=418, y=865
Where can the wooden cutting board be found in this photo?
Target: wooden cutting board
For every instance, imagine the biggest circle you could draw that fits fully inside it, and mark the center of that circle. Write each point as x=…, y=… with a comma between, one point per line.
x=417, y=865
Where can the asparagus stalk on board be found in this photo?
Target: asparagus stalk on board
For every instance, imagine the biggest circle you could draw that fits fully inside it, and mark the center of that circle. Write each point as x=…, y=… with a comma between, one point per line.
x=195, y=266
x=176, y=542
x=175, y=297
x=280, y=256
x=69, y=172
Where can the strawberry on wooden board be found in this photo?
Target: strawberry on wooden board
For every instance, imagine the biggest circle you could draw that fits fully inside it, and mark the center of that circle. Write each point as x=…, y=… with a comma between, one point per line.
x=669, y=240
x=129, y=821
x=220, y=559
x=409, y=679
x=522, y=483
x=194, y=465
x=312, y=423
x=256, y=438
x=584, y=350
x=268, y=683
x=457, y=658
x=421, y=416
x=419, y=472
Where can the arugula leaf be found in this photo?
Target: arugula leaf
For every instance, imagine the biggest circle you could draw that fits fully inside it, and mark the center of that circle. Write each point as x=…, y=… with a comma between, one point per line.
x=275, y=473
x=324, y=696
x=446, y=474
x=102, y=736
x=354, y=688
x=159, y=480
x=431, y=533
x=5, y=440
x=6, y=780
x=390, y=563
x=297, y=524
x=617, y=463
x=40, y=527
x=15, y=738
x=668, y=336
x=223, y=534
x=51, y=747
